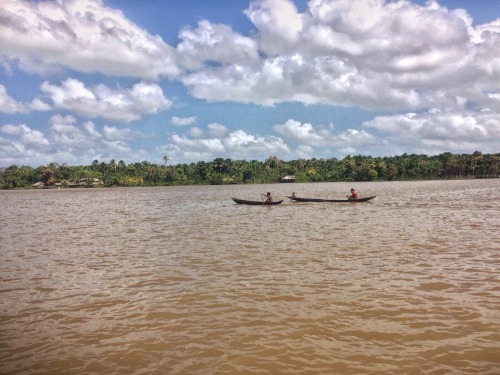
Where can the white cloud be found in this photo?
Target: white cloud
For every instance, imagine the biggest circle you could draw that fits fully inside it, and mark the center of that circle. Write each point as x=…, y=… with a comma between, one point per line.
x=324, y=139
x=218, y=142
x=182, y=121
x=112, y=133
x=377, y=55
x=79, y=34
x=217, y=130
x=27, y=136
x=66, y=142
x=100, y=101
x=358, y=140
x=204, y=145
x=67, y=134
x=304, y=152
x=10, y=105
x=22, y=145
x=215, y=43
x=278, y=21
x=373, y=55
x=196, y=132
x=304, y=133
x=247, y=146
x=438, y=131
x=214, y=130
x=39, y=105
x=189, y=149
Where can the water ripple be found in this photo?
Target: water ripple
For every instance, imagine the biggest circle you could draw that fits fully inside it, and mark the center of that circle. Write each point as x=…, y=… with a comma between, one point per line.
x=182, y=281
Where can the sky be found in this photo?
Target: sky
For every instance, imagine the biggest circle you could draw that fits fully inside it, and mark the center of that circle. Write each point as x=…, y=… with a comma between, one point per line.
x=85, y=80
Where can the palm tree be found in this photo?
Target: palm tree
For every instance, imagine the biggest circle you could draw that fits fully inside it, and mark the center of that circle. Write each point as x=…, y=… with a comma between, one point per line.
x=112, y=166
x=47, y=176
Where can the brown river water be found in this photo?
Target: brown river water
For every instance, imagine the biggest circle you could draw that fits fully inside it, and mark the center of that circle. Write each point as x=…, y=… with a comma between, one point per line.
x=180, y=280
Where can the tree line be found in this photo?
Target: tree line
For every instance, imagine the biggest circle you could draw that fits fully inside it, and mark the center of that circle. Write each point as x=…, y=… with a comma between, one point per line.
x=226, y=171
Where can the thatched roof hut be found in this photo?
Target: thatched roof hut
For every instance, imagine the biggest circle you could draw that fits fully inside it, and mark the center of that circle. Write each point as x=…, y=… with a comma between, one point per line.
x=290, y=178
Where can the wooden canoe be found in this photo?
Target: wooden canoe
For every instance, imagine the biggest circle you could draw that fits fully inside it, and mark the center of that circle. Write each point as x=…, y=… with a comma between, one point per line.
x=364, y=199
x=256, y=203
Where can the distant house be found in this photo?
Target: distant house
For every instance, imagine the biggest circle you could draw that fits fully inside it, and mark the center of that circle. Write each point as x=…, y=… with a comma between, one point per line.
x=97, y=182
x=83, y=183
x=288, y=179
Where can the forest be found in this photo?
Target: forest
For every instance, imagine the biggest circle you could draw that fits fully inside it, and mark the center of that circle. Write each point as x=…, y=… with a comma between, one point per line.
x=226, y=171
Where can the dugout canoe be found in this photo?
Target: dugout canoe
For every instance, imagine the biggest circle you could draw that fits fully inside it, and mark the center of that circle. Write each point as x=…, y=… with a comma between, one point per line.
x=256, y=203
x=364, y=199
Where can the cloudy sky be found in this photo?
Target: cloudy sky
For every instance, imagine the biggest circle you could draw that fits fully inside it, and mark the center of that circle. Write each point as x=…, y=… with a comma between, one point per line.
x=194, y=80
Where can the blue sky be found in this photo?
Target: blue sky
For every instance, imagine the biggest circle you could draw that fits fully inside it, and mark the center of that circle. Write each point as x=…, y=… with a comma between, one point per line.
x=194, y=80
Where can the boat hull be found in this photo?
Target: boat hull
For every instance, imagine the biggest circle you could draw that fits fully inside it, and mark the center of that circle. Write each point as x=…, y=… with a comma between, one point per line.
x=256, y=203
x=364, y=199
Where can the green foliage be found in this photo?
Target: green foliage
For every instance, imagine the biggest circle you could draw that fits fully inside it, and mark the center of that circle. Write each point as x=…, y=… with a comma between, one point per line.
x=131, y=181
x=226, y=171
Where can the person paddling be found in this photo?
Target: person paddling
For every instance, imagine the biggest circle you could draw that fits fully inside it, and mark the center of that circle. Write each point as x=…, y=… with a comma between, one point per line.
x=269, y=197
x=353, y=196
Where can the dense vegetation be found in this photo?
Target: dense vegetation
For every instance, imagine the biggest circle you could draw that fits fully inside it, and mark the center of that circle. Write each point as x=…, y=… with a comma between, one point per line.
x=227, y=171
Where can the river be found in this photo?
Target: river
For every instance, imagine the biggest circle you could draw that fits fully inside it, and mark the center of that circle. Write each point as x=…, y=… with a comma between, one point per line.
x=180, y=280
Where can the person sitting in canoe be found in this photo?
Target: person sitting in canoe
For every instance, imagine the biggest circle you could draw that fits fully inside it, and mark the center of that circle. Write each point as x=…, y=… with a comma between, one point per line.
x=293, y=195
x=353, y=196
x=269, y=197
